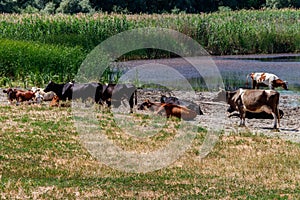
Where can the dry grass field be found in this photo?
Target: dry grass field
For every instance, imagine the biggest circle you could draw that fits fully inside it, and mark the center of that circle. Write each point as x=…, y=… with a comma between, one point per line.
x=41, y=157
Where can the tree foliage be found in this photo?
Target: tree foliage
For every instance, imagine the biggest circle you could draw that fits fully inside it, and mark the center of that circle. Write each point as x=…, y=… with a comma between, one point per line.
x=137, y=6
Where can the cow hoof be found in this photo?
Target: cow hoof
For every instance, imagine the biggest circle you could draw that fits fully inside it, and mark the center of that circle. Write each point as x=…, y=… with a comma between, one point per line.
x=276, y=130
x=242, y=125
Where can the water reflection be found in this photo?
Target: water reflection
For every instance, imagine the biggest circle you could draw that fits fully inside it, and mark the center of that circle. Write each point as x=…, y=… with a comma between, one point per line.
x=234, y=69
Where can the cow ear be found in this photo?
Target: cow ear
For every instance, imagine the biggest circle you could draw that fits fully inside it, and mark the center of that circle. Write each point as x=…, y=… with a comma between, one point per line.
x=4, y=91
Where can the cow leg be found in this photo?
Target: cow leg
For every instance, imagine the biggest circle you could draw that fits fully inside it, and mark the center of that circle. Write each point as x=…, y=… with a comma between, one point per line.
x=242, y=117
x=19, y=99
x=254, y=84
x=275, y=120
x=131, y=103
x=274, y=113
x=108, y=102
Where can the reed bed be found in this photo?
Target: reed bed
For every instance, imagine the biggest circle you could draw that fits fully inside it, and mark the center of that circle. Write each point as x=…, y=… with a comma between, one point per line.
x=235, y=32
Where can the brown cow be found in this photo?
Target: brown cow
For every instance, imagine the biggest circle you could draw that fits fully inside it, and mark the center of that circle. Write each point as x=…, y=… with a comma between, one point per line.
x=19, y=95
x=170, y=110
x=254, y=101
x=266, y=79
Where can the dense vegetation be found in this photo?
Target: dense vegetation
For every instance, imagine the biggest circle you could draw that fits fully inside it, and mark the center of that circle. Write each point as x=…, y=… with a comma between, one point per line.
x=138, y=6
x=52, y=43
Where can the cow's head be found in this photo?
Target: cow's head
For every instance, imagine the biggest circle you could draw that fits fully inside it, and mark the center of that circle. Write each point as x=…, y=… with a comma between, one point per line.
x=231, y=99
x=145, y=105
x=285, y=85
x=221, y=96
x=163, y=99
x=49, y=87
x=280, y=83
x=11, y=93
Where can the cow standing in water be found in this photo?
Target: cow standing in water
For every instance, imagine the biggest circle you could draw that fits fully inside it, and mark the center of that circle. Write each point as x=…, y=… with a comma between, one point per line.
x=267, y=80
x=254, y=101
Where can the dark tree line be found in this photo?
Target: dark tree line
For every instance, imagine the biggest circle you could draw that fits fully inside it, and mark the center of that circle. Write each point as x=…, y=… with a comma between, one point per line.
x=137, y=6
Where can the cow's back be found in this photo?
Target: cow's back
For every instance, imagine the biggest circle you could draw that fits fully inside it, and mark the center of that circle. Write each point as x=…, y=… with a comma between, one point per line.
x=257, y=98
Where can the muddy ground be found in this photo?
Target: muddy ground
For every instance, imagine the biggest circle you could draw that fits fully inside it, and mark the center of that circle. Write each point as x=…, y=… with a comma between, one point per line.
x=216, y=117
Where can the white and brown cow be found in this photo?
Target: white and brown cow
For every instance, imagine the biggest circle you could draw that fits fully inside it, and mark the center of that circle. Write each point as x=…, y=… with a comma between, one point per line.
x=256, y=101
x=41, y=95
x=267, y=80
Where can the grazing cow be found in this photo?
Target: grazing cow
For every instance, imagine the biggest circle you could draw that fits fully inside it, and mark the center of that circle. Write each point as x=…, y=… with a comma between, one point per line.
x=63, y=91
x=266, y=79
x=254, y=101
x=113, y=94
x=176, y=101
x=170, y=109
x=74, y=90
x=84, y=91
x=19, y=95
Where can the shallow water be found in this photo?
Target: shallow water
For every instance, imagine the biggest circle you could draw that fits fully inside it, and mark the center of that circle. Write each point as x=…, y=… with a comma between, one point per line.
x=233, y=69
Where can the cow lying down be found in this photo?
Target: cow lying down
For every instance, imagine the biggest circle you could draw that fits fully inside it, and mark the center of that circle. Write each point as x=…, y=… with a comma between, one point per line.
x=19, y=95
x=254, y=101
x=174, y=100
x=41, y=95
x=168, y=109
x=55, y=102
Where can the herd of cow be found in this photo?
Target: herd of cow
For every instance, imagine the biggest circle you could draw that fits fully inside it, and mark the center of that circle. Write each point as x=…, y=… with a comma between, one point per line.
x=245, y=101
